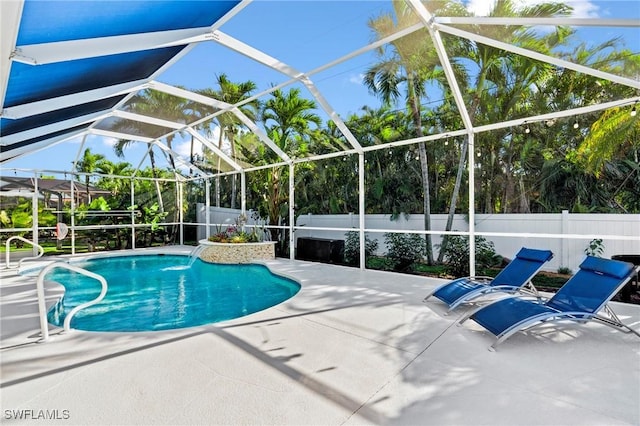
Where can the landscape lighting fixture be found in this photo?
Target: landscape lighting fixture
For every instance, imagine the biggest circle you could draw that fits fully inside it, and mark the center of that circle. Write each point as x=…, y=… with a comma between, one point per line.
x=633, y=110
x=527, y=129
x=576, y=125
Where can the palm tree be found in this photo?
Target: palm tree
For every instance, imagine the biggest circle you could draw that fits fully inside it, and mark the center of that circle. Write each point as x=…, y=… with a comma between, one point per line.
x=391, y=188
x=292, y=125
x=115, y=184
x=613, y=136
x=408, y=62
x=503, y=88
x=154, y=104
x=231, y=93
x=613, y=133
x=90, y=163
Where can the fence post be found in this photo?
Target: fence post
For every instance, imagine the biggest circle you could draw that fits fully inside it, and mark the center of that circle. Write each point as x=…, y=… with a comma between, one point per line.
x=564, y=229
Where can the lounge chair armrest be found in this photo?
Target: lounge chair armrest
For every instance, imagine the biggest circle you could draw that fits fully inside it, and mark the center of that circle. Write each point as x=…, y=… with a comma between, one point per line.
x=480, y=278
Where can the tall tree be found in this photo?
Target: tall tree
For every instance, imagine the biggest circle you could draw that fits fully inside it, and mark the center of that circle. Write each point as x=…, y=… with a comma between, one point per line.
x=158, y=104
x=90, y=163
x=290, y=122
x=407, y=64
x=503, y=88
x=230, y=125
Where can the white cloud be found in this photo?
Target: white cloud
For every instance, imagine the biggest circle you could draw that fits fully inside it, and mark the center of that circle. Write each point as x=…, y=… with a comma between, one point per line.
x=581, y=8
x=480, y=7
x=584, y=9
x=356, y=78
x=110, y=142
x=183, y=148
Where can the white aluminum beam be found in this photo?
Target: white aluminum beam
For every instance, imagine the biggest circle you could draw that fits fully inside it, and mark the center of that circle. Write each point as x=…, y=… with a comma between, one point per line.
x=538, y=56
x=255, y=54
x=79, y=152
x=557, y=21
x=10, y=17
x=186, y=94
x=332, y=114
x=69, y=50
x=291, y=72
x=344, y=58
x=471, y=185
x=206, y=142
x=179, y=158
x=47, y=53
x=230, y=14
x=149, y=120
x=14, y=154
x=120, y=135
x=47, y=105
x=426, y=17
x=412, y=141
x=52, y=128
x=223, y=105
x=560, y=114
x=261, y=134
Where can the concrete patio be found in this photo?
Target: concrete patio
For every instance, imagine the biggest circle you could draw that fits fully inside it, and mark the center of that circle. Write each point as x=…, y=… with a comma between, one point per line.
x=352, y=347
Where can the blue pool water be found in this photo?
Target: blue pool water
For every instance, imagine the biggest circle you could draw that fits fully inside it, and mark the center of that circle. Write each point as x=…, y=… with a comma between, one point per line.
x=162, y=292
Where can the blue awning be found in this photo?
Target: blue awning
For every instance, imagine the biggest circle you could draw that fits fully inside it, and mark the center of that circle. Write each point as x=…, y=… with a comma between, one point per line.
x=69, y=93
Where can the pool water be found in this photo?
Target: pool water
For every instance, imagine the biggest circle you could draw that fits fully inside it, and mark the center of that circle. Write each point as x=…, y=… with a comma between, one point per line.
x=162, y=292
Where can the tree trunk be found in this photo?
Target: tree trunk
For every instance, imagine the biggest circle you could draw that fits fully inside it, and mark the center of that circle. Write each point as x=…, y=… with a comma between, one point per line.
x=454, y=198
x=152, y=159
x=424, y=167
x=524, y=200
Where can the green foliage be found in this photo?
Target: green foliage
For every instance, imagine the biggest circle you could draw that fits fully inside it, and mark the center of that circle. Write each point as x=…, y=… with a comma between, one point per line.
x=564, y=270
x=21, y=219
x=404, y=249
x=352, y=247
x=608, y=139
x=22, y=216
x=595, y=248
x=152, y=215
x=457, y=255
x=5, y=220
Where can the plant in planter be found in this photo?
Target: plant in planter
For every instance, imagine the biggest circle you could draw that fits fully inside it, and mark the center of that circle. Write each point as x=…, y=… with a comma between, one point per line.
x=236, y=233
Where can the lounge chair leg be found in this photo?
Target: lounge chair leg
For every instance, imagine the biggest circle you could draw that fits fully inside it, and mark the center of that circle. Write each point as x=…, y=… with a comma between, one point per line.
x=614, y=321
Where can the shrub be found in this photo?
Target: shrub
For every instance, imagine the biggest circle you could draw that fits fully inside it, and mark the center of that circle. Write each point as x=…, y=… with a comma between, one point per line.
x=456, y=255
x=404, y=249
x=565, y=270
x=352, y=247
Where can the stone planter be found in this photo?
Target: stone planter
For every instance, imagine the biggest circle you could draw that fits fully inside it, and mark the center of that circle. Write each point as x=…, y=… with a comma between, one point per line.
x=236, y=252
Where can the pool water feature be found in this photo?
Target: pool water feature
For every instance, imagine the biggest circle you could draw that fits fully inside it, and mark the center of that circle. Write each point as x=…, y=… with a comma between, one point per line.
x=163, y=292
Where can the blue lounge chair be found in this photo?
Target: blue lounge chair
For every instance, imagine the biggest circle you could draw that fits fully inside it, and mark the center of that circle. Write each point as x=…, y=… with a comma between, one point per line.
x=515, y=277
x=582, y=298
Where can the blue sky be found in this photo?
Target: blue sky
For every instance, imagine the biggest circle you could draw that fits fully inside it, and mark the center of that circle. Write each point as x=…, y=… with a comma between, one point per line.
x=305, y=35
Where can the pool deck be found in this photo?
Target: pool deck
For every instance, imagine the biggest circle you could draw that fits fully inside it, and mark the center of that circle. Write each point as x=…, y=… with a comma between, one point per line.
x=352, y=347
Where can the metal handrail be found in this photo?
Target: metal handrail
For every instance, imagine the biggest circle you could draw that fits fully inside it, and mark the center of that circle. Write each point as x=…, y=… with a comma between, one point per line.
x=8, y=249
x=42, y=309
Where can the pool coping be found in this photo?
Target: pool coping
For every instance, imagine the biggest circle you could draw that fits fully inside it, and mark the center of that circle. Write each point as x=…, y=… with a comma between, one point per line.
x=351, y=347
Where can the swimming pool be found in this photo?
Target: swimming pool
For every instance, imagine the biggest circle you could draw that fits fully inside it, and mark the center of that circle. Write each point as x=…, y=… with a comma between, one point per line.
x=163, y=292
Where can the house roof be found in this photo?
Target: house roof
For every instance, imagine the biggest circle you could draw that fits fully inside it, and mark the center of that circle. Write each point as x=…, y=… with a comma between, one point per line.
x=59, y=186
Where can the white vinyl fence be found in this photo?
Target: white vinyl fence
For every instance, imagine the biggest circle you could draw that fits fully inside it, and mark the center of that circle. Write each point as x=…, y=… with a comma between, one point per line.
x=566, y=234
